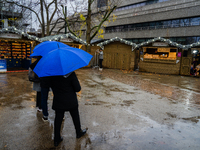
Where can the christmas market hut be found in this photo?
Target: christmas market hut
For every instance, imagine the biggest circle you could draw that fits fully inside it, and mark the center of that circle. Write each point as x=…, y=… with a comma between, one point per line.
x=15, y=49
x=118, y=54
x=160, y=55
x=68, y=39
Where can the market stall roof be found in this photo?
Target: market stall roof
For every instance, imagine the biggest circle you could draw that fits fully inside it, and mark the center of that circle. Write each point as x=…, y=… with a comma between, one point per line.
x=20, y=32
x=47, y=38
x=185, y=47
x=62, y=36
x=117, y=39
x=96, y=41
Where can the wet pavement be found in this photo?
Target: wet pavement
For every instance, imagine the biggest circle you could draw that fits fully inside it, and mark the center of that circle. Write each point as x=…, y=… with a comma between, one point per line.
x=123, y=111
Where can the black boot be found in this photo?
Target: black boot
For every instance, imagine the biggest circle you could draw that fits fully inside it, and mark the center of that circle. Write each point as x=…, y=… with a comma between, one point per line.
x=56, y=143
x=81, y=133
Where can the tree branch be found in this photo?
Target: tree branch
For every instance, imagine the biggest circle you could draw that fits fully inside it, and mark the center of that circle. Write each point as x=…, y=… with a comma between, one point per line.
x=100, y=24
x=55, y=24
x=66, y=20
x=15, y=3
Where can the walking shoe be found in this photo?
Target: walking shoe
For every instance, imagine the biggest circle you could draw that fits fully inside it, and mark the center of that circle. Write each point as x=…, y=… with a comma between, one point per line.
x=56, y=143
x=81, y=133
x=45, y=119
x=39, y=110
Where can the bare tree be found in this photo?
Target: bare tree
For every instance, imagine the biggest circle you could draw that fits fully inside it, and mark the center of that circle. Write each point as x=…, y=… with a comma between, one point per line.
x=96, y=15
x=45, y=12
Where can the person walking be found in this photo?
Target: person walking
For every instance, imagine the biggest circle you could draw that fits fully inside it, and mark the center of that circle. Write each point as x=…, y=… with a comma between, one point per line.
x=65, y=99
x=44, y=97
x=36, y=86
x=100, y=59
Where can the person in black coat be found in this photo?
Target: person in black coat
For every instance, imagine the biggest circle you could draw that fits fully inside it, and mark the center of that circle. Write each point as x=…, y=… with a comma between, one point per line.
x=36, y=86
x=65, y=99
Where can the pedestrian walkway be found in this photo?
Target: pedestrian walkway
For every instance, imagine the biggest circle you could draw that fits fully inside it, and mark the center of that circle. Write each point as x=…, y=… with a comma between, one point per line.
x=123, y=110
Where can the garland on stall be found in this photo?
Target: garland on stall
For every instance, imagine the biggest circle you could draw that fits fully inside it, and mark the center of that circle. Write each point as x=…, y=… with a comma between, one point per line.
x=185, y=47
x=69, y=35
x=62, y=36
x=117, y=39
x=134, y=45
x=20, y=32
x=47, y=38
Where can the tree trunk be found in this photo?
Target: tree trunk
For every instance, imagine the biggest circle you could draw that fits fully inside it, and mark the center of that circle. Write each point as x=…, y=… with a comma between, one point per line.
x=88, y=23
x=42, y=16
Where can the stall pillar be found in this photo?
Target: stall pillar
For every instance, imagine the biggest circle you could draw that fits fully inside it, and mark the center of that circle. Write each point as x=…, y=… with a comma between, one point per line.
x=186, y=62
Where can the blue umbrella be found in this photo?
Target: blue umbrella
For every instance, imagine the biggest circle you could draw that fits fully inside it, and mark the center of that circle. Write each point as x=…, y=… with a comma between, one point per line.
x=45, y=47
x=62, y=61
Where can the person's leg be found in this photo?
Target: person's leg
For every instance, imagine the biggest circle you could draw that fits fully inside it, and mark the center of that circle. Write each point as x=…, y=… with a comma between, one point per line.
x=57, y=125
x=100, y=63
x=44, y=98
x=38, y=100
x=76, y=119
x=77, y=124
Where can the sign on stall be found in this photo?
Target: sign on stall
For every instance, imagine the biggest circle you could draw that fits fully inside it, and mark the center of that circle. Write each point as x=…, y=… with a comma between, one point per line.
x=3, y=66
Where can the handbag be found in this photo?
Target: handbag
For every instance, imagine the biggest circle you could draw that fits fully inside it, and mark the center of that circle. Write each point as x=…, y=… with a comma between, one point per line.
x=32, y=76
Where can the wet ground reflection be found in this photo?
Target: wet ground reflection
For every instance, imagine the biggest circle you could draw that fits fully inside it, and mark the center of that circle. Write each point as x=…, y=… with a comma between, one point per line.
x=122, y=112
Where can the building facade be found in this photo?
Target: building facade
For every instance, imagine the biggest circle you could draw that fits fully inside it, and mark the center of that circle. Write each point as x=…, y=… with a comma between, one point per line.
x=141, y=20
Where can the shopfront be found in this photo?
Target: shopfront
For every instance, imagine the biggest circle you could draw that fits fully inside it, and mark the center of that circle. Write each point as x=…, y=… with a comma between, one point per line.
x=15, y=51
x=160, y=57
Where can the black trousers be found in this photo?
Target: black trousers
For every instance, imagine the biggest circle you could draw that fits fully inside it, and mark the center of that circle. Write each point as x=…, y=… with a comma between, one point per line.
x=100, y=63
x=59, y=114
x=38, y=100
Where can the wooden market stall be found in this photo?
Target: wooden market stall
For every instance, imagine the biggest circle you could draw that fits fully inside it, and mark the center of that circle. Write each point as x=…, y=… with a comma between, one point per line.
x=15, y=51
x=118, y=54
x=164, y=58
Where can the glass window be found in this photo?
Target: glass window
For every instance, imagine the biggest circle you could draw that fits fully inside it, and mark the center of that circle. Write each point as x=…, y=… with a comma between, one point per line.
x=181, y=40
x=173, y=39
x=190, y=40
x=101, y=3
x=141, y=40
x=167, y=23
x=198, y=38
x=159, y=25
x=175, y=23
x=195, y=21
x=135, y=40
x=184, y=22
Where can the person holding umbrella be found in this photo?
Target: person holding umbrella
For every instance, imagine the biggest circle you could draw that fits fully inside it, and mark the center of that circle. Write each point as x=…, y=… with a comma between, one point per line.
x=65, y=99
x=58, y=67
x=42, y=96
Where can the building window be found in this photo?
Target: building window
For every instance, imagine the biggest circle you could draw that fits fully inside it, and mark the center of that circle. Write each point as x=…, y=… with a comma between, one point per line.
x=102, y=3
x=159, y=24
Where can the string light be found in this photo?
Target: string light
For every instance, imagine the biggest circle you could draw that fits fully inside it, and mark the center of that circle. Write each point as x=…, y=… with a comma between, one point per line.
x=69, y=35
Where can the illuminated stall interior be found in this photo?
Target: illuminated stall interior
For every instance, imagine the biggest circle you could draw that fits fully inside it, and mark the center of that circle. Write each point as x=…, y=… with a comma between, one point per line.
x=160, y=57
x=16, y=53
x=166, y=53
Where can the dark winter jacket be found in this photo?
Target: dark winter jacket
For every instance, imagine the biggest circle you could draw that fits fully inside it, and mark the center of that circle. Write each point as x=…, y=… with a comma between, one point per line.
x=64, y=90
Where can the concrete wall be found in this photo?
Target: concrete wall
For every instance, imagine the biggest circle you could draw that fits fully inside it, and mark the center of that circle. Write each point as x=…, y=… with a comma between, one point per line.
x=157, y=12
x=170, y=32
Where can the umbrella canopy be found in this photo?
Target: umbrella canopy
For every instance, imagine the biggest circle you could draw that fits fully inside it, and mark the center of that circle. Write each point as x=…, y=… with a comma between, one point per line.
x=45, y=47
x=62, y=61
